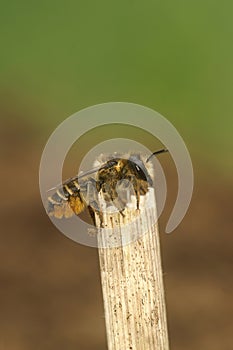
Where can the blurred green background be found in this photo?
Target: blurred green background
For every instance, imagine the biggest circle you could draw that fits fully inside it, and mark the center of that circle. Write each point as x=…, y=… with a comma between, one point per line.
x=59, y=57
x=174, y=56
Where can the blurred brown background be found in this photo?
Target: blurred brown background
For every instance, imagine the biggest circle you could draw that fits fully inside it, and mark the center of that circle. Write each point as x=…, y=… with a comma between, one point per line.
x=58, y=58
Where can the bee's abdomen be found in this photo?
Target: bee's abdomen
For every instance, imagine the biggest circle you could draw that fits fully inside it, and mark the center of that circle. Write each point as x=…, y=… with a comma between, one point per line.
x=72, y=188
x=66, y=201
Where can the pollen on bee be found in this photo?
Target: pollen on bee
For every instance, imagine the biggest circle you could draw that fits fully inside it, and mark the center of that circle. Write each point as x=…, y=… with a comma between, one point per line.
x=76, y=204
x=61, y=210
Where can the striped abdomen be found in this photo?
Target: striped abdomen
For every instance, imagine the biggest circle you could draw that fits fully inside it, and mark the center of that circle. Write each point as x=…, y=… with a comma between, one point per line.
x=66, y=201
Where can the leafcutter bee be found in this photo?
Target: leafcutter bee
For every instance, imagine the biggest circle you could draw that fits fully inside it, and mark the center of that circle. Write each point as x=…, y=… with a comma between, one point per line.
x=111, y=177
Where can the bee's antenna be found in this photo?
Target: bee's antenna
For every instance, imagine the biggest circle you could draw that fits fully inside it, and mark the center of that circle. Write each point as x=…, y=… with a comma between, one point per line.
x=155, y=153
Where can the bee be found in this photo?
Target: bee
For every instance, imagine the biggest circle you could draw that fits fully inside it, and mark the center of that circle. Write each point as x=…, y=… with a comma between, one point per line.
x=109, y=177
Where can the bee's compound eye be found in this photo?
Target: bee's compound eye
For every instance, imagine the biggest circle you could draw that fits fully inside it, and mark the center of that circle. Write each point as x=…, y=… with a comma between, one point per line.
x=139, y=169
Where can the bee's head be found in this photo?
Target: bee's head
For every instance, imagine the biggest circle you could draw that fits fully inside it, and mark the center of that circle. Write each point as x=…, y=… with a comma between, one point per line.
x=140, y=169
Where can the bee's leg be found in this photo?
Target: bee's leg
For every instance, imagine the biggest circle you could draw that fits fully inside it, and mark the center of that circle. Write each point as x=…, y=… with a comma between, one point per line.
x=92, y=214
x=101, y=219
x=122, y=213
x=143, y=188
x=138, y=197
x=136, y=187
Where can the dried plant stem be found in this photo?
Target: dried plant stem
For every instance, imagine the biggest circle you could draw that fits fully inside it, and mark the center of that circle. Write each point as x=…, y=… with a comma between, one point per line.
x=132, y=282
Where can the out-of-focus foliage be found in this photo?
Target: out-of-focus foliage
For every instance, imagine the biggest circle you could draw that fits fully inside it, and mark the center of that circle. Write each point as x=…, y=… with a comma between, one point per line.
x=174, y=56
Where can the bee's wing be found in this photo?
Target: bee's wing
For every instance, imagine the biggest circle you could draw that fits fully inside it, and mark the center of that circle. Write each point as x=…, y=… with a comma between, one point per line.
x=77, y=177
